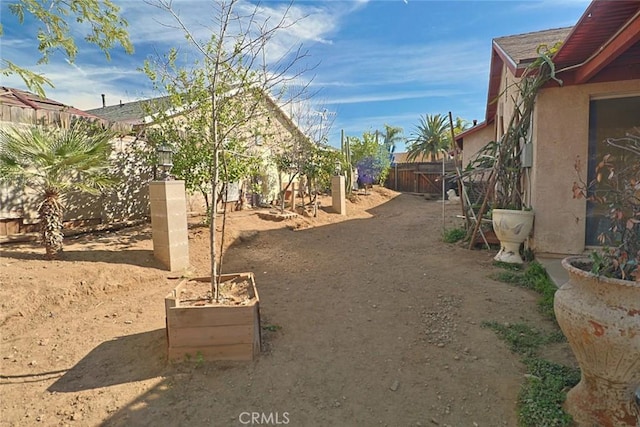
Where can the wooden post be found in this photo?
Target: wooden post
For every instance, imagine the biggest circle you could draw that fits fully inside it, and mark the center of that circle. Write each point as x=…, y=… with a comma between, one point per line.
x=458, y=173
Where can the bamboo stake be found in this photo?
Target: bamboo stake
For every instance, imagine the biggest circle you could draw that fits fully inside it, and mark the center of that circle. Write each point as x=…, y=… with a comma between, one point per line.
x=483, y=208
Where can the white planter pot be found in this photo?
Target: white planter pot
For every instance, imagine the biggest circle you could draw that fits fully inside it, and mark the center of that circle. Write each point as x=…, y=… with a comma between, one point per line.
x=512, y=228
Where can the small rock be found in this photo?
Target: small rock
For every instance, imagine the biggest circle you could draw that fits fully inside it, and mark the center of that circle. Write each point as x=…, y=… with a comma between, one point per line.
x=33, y=363
x=128, y=322
x=395, y=385
x=434, y=421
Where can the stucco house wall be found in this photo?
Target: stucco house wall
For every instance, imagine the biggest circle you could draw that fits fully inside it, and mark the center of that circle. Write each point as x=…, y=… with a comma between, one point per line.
x=561, y=132
x=475, y=141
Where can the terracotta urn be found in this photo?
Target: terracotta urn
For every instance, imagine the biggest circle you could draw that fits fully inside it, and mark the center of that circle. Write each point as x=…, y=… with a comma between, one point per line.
x=601, y=319
x=512, y=228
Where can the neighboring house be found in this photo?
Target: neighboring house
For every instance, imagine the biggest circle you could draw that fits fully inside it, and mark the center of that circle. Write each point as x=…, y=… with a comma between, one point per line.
x=599, y=64
x=20, y=106
x=276, y=127
x=18, y=206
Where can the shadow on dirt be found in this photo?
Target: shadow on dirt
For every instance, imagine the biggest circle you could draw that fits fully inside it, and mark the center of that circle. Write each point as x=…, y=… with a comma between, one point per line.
x=139, y=257
x=122, y=360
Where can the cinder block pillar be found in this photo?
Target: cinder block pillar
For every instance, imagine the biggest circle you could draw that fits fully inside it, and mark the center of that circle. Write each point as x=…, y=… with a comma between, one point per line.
x=169, y=224
x=338, y=195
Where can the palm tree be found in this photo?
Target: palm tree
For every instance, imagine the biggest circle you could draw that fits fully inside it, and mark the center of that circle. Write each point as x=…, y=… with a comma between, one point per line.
x=392, y=135
x=430, y=136
x=460, y=125
x=54, y=162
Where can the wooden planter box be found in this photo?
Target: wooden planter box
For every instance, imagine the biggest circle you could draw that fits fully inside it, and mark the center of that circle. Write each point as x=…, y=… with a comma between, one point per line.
x=213, y=332
x=490, y=235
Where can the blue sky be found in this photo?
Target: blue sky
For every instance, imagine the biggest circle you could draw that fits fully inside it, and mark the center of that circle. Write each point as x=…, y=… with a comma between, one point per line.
x=378, y=61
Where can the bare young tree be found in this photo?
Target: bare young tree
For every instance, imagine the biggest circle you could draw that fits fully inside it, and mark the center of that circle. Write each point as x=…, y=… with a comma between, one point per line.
x=223, y=94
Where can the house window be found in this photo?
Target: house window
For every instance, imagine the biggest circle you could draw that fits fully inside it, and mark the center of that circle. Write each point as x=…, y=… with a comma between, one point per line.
x=608, y=118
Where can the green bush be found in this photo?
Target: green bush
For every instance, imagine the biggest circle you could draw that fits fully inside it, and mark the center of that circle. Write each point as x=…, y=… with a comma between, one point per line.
x=540, y=399
x=453, y=235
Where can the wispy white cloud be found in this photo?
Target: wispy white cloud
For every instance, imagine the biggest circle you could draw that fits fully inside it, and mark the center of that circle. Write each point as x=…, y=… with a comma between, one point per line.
x=300, y=23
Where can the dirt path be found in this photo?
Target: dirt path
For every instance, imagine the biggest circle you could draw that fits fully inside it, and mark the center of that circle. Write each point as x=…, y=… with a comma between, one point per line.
x=370, y=321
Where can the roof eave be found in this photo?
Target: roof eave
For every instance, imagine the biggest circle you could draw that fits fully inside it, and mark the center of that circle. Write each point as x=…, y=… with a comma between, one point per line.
x=459, y=137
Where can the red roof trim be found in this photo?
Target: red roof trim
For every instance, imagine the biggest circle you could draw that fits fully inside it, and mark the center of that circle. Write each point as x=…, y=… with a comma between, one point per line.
x=599, y=25
x=495, y=75
x=576, y=29
x=506, y=59
x=471, y=131
x=621, y=41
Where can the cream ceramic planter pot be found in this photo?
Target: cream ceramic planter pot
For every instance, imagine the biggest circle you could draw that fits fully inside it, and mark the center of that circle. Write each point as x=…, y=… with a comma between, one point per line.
x=512, y=228
x=601, y=319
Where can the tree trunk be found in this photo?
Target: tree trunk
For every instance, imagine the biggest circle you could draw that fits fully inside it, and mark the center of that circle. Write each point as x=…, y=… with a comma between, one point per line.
x=51, y=216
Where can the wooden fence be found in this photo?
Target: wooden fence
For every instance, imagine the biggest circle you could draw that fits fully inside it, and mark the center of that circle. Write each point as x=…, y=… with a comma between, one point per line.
x=418, y=177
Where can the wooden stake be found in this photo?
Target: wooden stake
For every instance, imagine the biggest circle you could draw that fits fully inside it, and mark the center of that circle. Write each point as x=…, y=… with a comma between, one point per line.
x=458, y=173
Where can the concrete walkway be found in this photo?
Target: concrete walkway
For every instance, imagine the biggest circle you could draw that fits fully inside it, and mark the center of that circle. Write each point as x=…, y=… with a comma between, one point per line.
x=554, y=269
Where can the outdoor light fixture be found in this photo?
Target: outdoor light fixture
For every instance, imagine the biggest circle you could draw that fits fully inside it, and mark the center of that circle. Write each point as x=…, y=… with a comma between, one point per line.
x=165, y=161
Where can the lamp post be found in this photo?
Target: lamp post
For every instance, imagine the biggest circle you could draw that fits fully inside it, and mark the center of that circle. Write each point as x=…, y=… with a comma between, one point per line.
x=165, y=162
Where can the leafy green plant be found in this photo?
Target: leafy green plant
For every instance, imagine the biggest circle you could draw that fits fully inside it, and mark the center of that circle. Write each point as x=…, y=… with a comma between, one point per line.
x=541, y=398
x=453, y=235
x=522, y=338
x=615, y=186
x=199, y=359
x=55, y=162
x=370, y=156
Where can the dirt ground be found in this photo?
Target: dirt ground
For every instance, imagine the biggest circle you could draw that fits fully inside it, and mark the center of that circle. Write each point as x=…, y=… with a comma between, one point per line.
x=368, y=319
